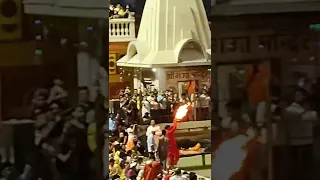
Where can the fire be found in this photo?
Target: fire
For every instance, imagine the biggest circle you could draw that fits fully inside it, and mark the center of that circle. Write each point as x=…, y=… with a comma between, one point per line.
x=182, y=111
x=229, y=157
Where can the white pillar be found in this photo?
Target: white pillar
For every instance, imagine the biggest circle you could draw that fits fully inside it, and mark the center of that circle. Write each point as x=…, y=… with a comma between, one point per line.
x=83, y=69
x=160, y=78
x=87, y=66
x=95, y=71
x=136, y=83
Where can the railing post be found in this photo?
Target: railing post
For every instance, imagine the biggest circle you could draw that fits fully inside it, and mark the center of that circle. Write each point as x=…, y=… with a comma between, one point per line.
x=132, y=29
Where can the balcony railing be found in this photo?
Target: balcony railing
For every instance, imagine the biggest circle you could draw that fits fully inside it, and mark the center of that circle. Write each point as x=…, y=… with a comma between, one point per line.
x=122, y=30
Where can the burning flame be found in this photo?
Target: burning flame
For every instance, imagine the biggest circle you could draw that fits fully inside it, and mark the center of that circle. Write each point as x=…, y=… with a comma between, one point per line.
x=182, y=111
x=229, y=157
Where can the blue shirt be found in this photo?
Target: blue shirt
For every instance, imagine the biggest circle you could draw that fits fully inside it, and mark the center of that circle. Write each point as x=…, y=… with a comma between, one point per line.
x=112, y=125
x=150, y=142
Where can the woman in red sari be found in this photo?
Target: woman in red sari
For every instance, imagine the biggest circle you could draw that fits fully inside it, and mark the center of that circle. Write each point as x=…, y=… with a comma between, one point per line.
x=173, y=151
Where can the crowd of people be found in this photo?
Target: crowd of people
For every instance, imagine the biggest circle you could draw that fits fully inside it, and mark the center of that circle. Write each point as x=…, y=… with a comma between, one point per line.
x=64, y=145
x=130, y=158
x=153, y=155
x=294, y=113
x=160, y=105
x=117, y=11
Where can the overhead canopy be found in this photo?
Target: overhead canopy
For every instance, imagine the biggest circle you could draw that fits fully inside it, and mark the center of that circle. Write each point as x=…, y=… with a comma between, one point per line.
x=239, y=7
x=135, y=62
x=70, y=8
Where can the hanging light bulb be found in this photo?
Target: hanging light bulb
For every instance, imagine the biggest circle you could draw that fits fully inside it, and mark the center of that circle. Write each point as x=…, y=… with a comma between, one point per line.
x=37, y=21
x=38, y=52
x=89, y=28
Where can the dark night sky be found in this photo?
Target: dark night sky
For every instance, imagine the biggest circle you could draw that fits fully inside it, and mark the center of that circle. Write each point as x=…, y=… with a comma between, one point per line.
x=137, y=5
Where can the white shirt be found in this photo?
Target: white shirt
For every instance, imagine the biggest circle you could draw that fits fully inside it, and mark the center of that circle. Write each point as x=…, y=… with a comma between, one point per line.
x=226, y=122
x=261, y=112
x=90, y=116
x=150, y=143
x=204, y=101
x=130, y=133
x=155, y=128
x=154, y=105
x=177, y=178
x=197, y=102
x=300, y=122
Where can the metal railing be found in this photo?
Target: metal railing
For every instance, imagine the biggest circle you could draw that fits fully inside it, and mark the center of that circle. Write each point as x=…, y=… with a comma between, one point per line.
x=122, y=30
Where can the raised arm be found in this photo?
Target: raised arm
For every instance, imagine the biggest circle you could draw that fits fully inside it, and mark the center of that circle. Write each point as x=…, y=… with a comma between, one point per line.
x=173, y=127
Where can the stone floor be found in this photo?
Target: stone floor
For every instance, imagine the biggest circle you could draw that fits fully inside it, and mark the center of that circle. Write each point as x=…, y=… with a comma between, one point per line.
x=194, y=164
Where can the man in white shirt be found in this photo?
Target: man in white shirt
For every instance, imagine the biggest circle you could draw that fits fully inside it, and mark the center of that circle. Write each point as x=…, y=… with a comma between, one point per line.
x=153, y=127
x=300, y=118
x=151, y=143
x=204, y=100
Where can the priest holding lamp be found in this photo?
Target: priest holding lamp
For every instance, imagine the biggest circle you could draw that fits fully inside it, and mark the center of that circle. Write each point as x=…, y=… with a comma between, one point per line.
x=173, y=150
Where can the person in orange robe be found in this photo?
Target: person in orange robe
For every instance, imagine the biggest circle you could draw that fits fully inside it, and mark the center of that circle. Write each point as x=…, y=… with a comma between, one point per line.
x=256, y=81
x=131, y=145
x=173, y=150
x=152, y=169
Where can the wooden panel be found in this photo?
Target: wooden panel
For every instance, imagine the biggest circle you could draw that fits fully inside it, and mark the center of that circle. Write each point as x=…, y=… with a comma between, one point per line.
x=15, y=54
x=118, y=47
x=18, y=84
x=116, y=78
x=22, y=53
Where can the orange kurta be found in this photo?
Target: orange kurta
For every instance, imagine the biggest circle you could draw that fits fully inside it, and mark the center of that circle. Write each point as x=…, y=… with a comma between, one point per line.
x=257, y=87
x=130, y=145
x=152, y=170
